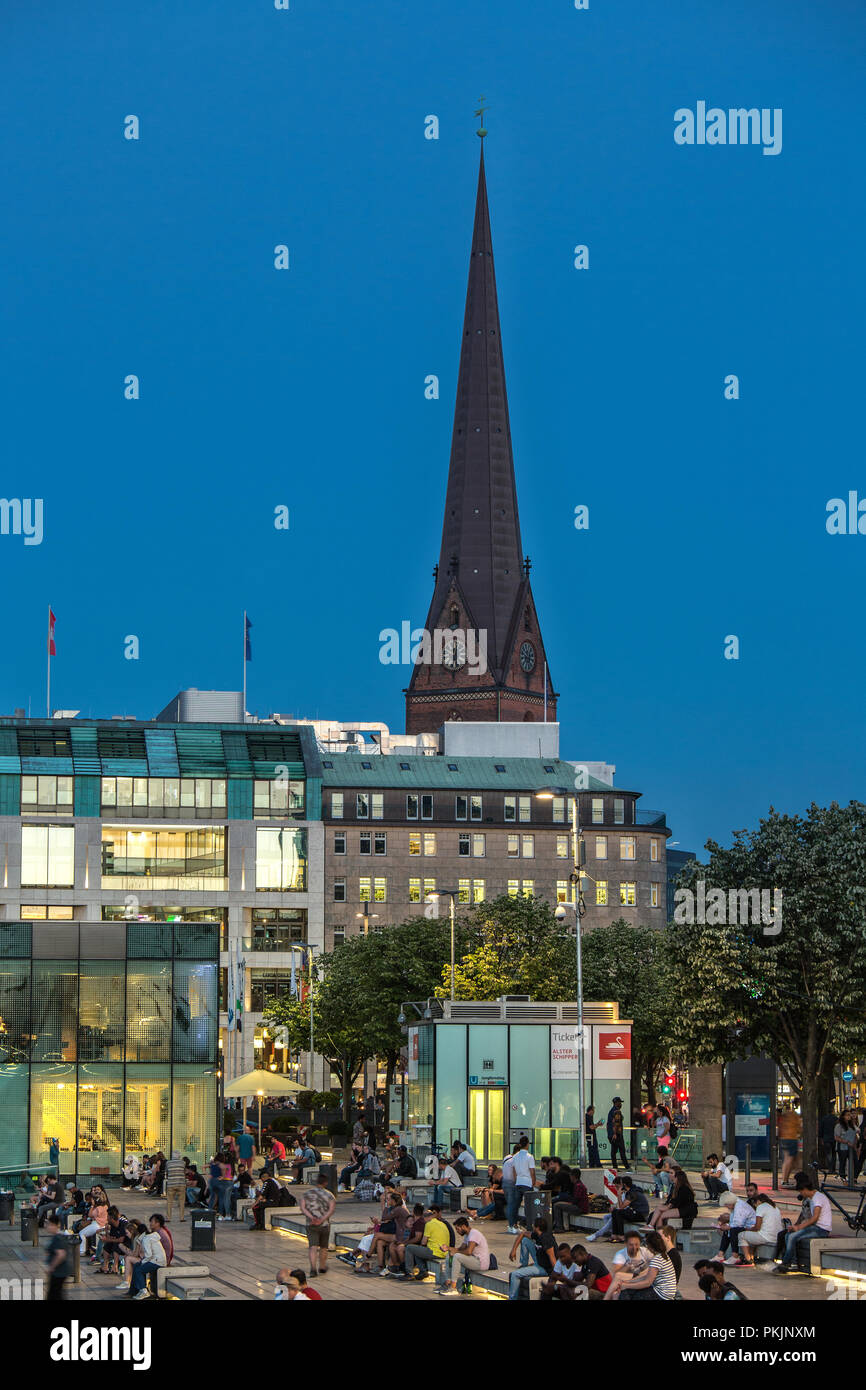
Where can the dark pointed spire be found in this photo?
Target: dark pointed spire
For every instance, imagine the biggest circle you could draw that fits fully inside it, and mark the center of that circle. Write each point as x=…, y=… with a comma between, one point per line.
x=481, y=526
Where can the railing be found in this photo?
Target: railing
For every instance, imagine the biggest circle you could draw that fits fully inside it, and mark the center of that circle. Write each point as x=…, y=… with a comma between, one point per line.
x=650, y=818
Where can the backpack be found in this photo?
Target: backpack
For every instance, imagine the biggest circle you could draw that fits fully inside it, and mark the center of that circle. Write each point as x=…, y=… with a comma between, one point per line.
x=365, y=1190
x=494, y=1263
x=674, y=1131
x=316, y=1153
x=285, y=1198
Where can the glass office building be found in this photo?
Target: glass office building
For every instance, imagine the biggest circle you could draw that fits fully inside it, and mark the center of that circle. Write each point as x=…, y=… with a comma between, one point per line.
x=108, y=1042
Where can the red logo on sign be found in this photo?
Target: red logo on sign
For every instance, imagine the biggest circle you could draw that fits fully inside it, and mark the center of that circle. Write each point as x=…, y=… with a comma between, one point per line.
x=612, y=1046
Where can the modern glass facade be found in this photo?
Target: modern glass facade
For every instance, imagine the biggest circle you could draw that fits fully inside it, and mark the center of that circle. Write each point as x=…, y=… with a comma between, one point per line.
x=108, y=1041
x=479, y=1081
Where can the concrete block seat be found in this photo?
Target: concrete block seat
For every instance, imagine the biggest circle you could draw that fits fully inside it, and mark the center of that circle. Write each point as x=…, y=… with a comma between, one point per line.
x=188, y=1289
x=845, y=1253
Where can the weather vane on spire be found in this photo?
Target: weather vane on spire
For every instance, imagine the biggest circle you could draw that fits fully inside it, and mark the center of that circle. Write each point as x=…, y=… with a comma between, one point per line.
x=481, y=132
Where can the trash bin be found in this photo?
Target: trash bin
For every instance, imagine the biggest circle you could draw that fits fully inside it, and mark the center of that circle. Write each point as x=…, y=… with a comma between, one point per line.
x=202, y=1235
x=7, y=1206
x=75, y=1256
x=330, y=1170
x=29, y=1227
x=536, y=1207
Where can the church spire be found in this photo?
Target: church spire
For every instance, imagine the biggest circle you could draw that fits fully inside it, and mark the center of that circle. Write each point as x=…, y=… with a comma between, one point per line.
x=482, y=580
x=481, y=530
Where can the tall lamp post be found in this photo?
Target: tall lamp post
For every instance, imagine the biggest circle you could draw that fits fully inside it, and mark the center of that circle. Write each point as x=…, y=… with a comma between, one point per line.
x=451, y=894
x=547, y=794
x=366, y=916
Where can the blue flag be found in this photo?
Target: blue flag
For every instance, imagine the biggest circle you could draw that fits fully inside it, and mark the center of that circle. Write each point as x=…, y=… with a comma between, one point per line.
x=248, y=649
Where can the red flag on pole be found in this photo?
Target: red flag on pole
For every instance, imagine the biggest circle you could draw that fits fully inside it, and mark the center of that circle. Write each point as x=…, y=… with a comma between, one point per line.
x=52, y=649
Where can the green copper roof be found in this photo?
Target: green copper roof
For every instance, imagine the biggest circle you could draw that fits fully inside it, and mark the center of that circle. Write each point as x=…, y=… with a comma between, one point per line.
x=463, y=774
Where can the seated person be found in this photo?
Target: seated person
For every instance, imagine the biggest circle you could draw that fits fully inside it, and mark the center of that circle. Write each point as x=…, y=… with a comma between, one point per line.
x=594, y=1275
x=268, y=1195
x=627, y=1263
x=131, y=1171
x=717, y=1178
x=463, y=1161
x=304, y=1158
x=566, y=1272
x=196, y=1187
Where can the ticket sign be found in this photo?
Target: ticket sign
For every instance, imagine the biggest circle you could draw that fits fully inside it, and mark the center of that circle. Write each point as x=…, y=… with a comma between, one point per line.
x=563, y=1052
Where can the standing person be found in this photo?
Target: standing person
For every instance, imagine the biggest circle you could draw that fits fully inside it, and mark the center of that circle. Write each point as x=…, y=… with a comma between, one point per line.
x=473, y=1252
x=861, y=1145
x=175, y=1185
x=826, y=1126
x=845, y=1134
x=524, y=1176
x=790, y=1127
x=318, y=1203
x=663, y=1127
x=509, y=1186
x=247, y=1148
x=54, y=1154
x=58, y=1261
x=592, y=1124
x=615, y=1134
x=816, y=1221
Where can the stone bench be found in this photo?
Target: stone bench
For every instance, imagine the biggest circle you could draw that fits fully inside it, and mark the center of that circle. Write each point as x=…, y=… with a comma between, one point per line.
x=178, y=1271
x=187, y=1288
x=844, y=1253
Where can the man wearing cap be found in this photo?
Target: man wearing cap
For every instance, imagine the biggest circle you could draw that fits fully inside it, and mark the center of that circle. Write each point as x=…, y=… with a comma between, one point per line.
x=288, y=1289
x=816, y=1222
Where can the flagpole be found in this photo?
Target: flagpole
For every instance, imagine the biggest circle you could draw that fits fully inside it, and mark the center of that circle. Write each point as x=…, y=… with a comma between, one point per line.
x=244, y=710
x=48, y=683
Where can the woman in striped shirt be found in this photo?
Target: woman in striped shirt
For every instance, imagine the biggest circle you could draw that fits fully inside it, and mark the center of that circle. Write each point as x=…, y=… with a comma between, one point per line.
x=658, y=1280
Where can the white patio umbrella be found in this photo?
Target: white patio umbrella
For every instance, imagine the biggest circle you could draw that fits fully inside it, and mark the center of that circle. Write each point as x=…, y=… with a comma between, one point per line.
x=261, y=1083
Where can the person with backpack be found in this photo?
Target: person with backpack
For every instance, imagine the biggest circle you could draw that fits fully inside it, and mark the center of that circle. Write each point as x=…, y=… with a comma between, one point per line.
x=268, y=1196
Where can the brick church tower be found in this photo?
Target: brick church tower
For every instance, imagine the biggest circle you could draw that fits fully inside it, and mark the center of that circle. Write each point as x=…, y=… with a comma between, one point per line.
x=482, y=603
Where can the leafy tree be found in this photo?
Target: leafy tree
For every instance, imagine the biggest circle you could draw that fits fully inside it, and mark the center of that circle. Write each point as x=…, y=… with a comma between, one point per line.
x=796, y=996
x=515, y=946
x=357, y=998
x=629, y=964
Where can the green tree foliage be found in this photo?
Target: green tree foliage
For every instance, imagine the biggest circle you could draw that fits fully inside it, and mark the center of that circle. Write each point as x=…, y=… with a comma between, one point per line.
x=796, y=996
x=629, y=965
x=514, y=946
x=362, y=984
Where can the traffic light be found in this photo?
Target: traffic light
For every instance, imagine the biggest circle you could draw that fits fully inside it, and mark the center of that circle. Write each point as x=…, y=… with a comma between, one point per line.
x=681, y=1096
x=666, y=1090
x=669, y=1081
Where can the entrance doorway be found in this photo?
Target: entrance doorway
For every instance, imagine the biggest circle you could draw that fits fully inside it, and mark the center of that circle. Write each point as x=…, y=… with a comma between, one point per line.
x=488, y=1111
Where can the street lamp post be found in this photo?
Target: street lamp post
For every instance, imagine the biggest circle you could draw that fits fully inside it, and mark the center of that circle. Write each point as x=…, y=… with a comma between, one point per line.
x=365, y=916
x=451, y=894
x=579, y=910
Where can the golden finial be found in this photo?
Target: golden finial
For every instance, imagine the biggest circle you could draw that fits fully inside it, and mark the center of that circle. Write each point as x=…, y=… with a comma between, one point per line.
x=481, y=132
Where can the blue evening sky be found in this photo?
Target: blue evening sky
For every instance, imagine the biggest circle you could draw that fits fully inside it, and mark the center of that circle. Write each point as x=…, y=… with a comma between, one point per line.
x=306, y=387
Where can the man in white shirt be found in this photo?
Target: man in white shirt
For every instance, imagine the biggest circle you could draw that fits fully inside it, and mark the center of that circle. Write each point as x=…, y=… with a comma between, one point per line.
x=566, y=1271
x=742, y=1218
x=632, y=1257
x=524, y=1178
x=473, y=1252
x=818, y=1223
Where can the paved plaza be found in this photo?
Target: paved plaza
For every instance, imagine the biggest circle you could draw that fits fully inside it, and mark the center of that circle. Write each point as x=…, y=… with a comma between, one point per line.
x=244, y=1264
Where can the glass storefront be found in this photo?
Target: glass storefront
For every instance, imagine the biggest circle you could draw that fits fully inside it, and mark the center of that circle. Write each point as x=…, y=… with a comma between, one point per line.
x=106, y=1056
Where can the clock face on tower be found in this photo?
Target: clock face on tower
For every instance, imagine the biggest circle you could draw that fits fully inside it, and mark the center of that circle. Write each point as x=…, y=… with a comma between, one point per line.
x=527, y=656
x=454, y=653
